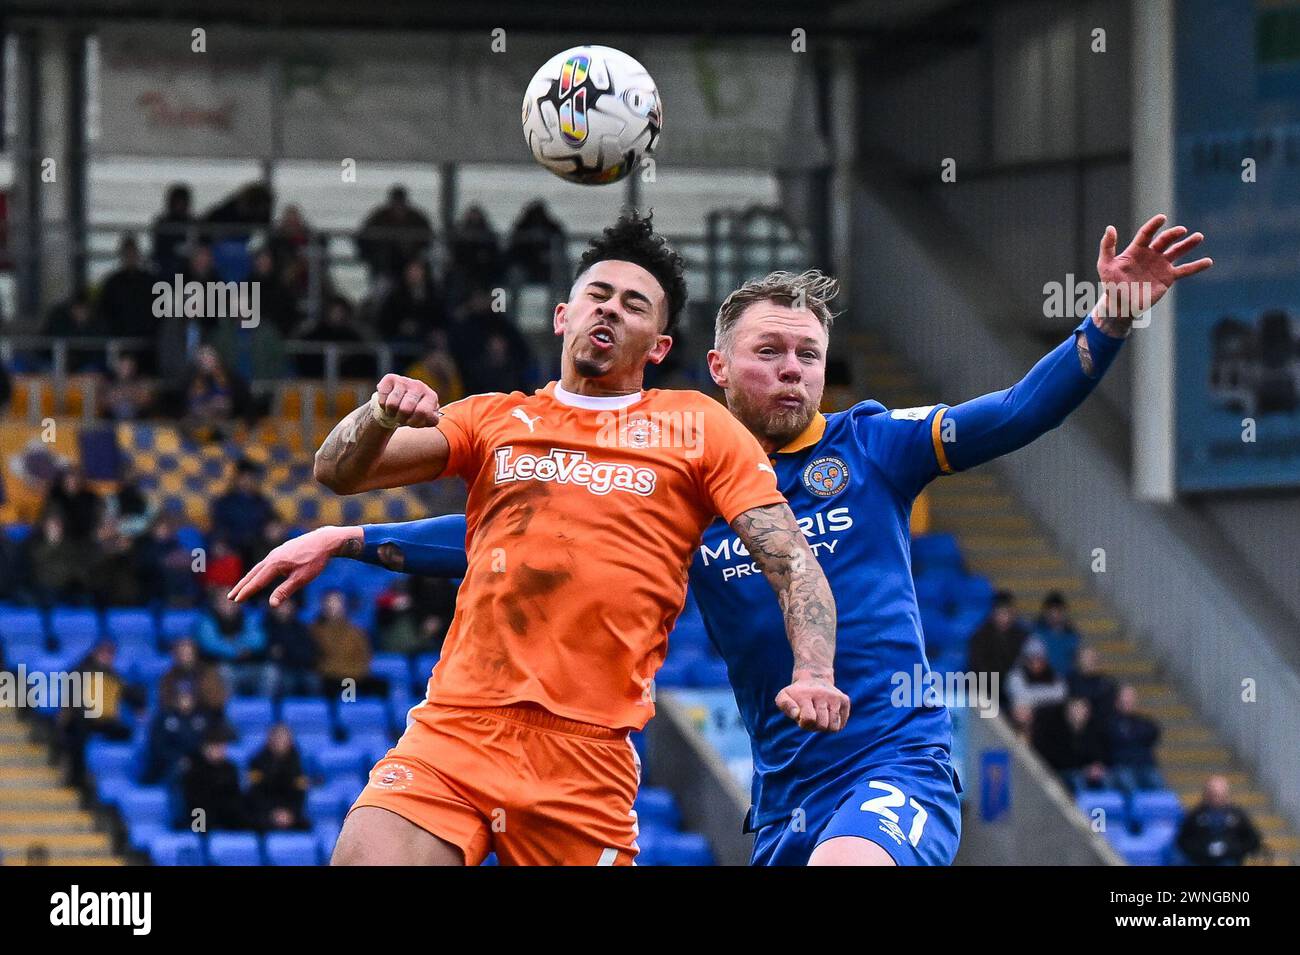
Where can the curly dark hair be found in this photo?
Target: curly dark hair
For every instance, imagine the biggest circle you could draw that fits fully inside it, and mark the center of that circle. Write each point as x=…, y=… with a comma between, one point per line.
x=633, y=239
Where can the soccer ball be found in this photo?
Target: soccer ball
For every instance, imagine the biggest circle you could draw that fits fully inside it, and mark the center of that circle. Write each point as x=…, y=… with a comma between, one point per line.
x=590, y=114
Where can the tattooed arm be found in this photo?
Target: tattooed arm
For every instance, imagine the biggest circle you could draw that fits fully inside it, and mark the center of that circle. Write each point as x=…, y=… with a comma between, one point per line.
x=391, y=441
x=779, y=548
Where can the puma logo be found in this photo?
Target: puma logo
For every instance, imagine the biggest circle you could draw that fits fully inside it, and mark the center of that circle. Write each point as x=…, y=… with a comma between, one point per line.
x=523, y=416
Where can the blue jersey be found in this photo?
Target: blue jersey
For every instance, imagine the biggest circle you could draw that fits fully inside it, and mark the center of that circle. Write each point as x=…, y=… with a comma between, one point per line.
x=850, y=479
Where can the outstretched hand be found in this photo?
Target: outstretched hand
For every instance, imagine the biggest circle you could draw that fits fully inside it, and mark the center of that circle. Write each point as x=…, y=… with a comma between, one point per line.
x=1137, y=278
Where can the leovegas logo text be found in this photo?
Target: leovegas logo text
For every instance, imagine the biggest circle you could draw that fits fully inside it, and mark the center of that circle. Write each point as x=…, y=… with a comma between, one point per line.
x=572, y=467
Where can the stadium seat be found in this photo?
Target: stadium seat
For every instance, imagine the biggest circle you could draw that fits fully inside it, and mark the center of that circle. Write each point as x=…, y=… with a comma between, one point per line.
x=105, y=759
x=683, y=848
x=1156, y=805
x=373, y=746
x=145, y=804
x=241, y=752
x=324, y=805
x=348, y=786
x=656, y=807
x=234, y=848
x=1110, y=801
x=177, y=624
x=340, y=759
x=22, y=624
x=305, y=715
x=131, y=623
x=292, y=848
x=149, y=668
x=934, y=551
x=327, y=835
x=251, y=716
x=421, y=668
x=676, y=671
x=362, y=716
x=394, y=668
x=110, y=790
x=74, y=625
x=141, y=836
x=24, y=649
x=176, y=848
x=973, y=596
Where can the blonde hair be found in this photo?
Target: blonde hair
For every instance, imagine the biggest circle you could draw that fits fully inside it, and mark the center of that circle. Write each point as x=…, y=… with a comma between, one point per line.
x=811, y=289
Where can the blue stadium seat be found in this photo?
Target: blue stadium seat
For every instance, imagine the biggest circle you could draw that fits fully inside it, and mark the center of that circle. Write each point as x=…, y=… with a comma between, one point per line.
x=22, y=624
x=934, y=592
x=932, y=551
x=676, y=670
x=373, y=746
x=362, y=716
x=105, y=759
x=251, y=716
x=1142, y=848
x=241, y=752
x=341, y=759
x=140, y=836
x=292, y=848
x=234, y=848
x=683, y=848
x=74, y=624
x=17, y=533
x=421, y=668
x=309, y=744
x=348, y=786
x=176, y=848
x=327, y=835
x=305, y=714
x=189, y=537
x=176, y=624
x=24, y=649
x=150, y=668
x=399, y=705
x=1111, y=801
x=145, y=804
x=974, y=596
x=110, y=790
x=1156, y=805
x=131, y=623
x=655, y=807
x=324, y=805
x=394, y=668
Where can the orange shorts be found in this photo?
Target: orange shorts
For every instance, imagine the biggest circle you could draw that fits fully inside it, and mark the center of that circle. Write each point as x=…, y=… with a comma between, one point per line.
x=532, y=787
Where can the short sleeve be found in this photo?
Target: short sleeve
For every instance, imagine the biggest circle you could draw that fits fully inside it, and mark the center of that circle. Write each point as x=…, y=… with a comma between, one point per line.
x=906, y=444
x=735, y=474
x=459, y=425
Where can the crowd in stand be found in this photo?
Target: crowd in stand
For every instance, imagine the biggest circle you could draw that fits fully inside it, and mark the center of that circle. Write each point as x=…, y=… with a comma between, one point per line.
x=1087, y=726
x=449, y=327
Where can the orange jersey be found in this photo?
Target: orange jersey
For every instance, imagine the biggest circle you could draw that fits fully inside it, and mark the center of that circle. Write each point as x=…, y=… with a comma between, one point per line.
x=582, y=519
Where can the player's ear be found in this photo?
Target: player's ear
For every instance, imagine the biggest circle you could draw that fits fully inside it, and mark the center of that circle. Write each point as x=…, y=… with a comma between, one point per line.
x=663, y=344
x=561, y=311
x=718, y=367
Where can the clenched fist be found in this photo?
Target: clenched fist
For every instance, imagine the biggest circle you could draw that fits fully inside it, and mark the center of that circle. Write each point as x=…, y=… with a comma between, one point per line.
x=405, y=402
x=814, y=703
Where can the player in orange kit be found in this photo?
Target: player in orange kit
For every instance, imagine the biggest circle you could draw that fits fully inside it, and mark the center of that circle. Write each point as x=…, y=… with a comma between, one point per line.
x=587, y=500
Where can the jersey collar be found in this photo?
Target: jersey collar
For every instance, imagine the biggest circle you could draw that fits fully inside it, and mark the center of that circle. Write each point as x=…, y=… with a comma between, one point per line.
x=593, y=403
x=808, y=437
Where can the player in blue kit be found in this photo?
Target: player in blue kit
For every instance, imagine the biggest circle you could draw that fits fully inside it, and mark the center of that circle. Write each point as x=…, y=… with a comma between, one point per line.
x=882, y=790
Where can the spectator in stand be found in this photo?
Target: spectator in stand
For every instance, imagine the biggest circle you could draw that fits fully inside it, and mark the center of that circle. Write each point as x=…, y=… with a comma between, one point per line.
x=236, y=642
x=996, y=645
x=6, y=390
x=102, y=714
x=224, y=565
x=1022, y=721
x=239, y=215
x=277, y=785
x=171, y=231
x=1096, y=687
x=1131, y=740
x=73, y=320
x=277, y=304
x=80, y=507
x=1217, y=832
x=343, y=650
x=337, y=326
x=1032, y=681
x=536, y=251
x=392, y=235
x=166, y=564
x=291, y=647
x=113, y=575
x=211, y=784
x=412, y=614
x=125, y=395
x=437, y=369
x=291, y=237
x=175, y=735
x=1057, y=633
x=59, y=570
x=129, y=506
x=214, y=396
x=1069, y=739
x=198, y=678
x=502, y=366
x=243, y=513
x=126, y=299
x=475, y=255
x=412, y=310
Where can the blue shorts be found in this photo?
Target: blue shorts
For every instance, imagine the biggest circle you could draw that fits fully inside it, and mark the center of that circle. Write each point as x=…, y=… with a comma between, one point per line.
x=908, y=807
